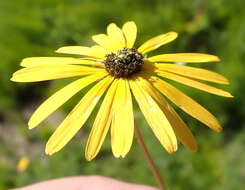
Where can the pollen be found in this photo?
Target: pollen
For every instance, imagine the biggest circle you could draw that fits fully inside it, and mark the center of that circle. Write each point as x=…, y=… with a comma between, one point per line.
x=124, y=63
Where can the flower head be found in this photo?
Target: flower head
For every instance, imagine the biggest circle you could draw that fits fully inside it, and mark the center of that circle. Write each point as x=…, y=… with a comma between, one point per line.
x=119, y=70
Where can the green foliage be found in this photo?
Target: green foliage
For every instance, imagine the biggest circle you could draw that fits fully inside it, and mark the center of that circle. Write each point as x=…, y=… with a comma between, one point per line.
x=36, y=28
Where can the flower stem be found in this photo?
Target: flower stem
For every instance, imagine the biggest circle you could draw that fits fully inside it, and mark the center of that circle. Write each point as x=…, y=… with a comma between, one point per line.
x=149, y=159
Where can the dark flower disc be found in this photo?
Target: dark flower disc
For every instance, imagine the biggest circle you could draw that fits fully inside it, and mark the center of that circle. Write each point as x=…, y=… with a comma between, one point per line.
x=124, y=63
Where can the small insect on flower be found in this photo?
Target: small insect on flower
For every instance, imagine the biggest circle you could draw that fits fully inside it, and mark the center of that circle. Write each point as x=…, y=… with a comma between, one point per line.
x=119, y=70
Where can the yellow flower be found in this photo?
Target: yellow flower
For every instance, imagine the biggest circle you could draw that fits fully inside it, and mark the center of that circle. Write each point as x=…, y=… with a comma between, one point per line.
x=118, y=70
x=23, y=164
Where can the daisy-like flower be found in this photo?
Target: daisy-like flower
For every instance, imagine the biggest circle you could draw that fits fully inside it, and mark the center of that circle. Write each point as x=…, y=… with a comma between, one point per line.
x=118, y=72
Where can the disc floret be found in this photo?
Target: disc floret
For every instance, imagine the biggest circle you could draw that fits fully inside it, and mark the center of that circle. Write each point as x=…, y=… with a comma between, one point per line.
x=124, y=63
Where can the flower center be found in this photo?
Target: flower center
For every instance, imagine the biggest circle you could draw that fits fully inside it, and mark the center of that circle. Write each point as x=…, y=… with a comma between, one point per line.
x=124, y=62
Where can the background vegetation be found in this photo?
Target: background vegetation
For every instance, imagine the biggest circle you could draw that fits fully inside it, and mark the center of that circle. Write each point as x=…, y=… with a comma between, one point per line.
x=36, y=28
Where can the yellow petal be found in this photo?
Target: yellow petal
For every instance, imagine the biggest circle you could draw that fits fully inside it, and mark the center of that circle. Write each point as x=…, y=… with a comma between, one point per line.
x=101, y=124
x=122, y=128
x=98, y=61
x=186, y=104
x=82, y=50
x=130, y=32
x=98, y=51
x=77, y=117
x=157, y=41
x=39, y=61
x=155, y=117
x=193, y=72
x=60, y=97
x=194, y=83
x=105, y=42
x=116, y=36
x=182, y=132
x=184, y=57
x=50, y=72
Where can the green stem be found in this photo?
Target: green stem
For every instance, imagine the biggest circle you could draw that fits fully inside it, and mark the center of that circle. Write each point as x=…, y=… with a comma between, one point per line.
x=149, y=159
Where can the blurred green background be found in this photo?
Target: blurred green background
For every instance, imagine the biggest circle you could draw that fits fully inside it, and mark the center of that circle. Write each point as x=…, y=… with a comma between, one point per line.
x=36, y=28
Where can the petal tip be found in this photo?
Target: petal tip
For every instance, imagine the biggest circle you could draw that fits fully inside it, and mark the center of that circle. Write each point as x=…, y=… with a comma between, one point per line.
x=49, y=151
x=89, y=153
x=12, y=79
x=31, y=125
x=172, y=149
x=176, y=33
x=23, y=61
x=59, y=50
x=173, y=34
x=89, y=157
x=115, y=153
x=230, y=95
x=219, y=129
x=130, y=22
x=225, y=82
x=217, y=59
